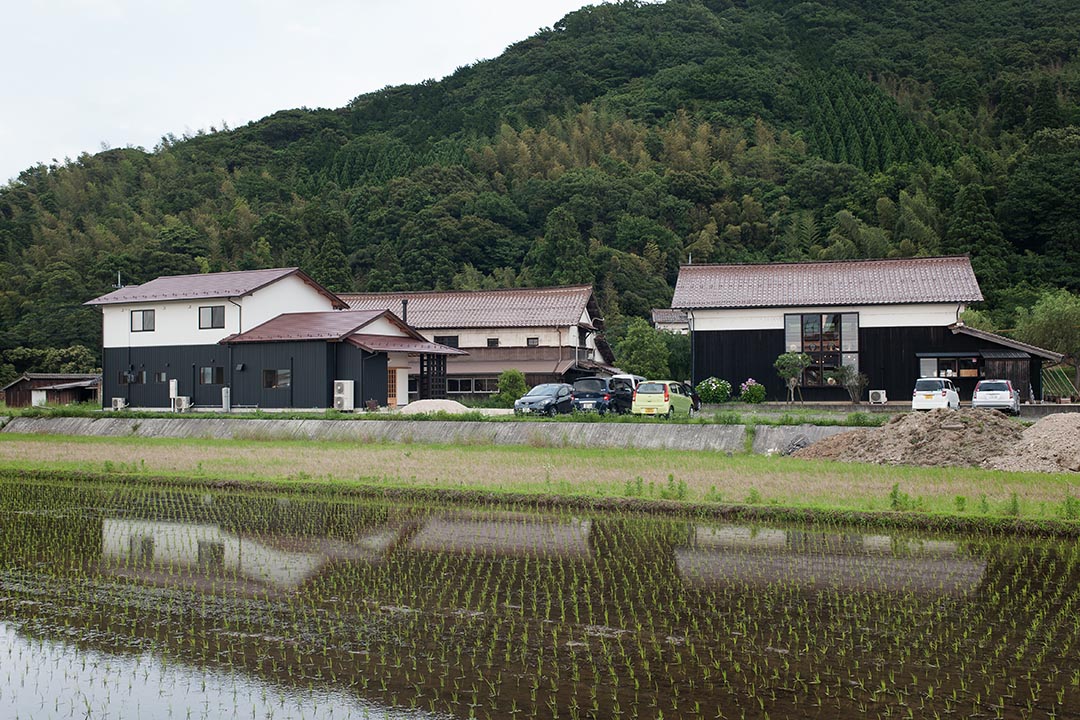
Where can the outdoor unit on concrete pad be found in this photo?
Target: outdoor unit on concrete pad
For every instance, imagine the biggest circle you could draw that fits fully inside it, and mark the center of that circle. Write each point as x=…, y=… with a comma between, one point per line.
x=344, y=395
x=877, y=397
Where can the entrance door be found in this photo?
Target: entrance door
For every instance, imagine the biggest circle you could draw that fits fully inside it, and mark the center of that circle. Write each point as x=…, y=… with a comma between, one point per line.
x=391, y=387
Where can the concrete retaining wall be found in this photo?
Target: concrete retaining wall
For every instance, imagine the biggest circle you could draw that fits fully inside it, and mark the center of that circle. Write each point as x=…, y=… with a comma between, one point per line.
x=724, y=438
x=782, y=439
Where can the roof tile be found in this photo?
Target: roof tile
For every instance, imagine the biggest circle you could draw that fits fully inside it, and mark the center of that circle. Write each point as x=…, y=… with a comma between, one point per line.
x=511, y=307
x=849, y=282
x=206, y=285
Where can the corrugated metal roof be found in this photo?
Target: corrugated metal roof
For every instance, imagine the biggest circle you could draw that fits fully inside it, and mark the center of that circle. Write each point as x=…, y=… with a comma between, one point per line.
x=848, y=282
x=54, y=377
x=511, y=307
x=208, y=285
x=387, y=343
x=1007, y=342
x=669, y=316
x=327, y=325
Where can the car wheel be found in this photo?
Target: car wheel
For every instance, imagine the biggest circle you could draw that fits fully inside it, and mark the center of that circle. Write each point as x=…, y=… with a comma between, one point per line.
x=670, y=413
x=551, y=411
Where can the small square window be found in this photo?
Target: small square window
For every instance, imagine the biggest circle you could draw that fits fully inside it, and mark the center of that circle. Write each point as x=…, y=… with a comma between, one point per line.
x=447, y=340
x=533, y=342
x=161, y=377
x=142, y=320
x=212, y=316
x=493, y=342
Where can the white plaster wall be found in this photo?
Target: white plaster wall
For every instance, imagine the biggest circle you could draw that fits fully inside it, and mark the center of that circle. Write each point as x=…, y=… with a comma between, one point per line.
x=930, y=314
x=176, y=322
x=508, y=337
x=382, y=326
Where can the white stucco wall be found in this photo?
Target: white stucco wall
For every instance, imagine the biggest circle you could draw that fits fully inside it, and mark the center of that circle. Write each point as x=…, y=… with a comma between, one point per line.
x=930, y=314
x=176, y=322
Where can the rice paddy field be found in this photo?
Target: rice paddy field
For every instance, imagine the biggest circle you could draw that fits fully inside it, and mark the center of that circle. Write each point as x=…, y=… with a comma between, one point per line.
x=138, y=600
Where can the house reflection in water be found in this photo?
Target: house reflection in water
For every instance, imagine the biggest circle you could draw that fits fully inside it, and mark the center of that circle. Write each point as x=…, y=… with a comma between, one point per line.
x=852, y=562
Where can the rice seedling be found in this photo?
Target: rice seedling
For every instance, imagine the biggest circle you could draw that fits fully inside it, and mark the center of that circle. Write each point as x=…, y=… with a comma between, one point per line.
x=217, y=603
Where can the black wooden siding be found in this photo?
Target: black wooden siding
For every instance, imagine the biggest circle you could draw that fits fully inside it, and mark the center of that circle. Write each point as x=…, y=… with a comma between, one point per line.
x=888, y=356
x=314, y=365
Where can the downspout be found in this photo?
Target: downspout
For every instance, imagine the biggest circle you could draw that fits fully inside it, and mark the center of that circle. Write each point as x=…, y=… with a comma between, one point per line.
x=239, y=329
x=693, y=349
x=559, y=331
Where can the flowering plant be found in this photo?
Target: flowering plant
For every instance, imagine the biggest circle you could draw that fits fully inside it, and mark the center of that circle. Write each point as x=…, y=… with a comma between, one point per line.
x=751, y=391
x=714, y=390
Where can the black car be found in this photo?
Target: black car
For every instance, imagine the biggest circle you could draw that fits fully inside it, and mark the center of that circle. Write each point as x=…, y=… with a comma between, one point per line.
x=592, y=394
x=546, y=399
x=622, y=389
x=694, y=397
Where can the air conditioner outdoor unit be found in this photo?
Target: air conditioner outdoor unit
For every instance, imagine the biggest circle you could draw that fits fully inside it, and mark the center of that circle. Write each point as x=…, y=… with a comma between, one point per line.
x=119, y=403
x=877, y=397
x=180, y=403
x=344, y=396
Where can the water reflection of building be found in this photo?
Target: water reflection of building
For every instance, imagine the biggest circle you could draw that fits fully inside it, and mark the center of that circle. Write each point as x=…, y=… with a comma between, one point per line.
x=850, y=561
x=154, y=550
x=504, y=535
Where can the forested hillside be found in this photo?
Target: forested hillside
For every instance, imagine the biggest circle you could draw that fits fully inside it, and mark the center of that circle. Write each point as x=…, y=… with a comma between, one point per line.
x=609, y=148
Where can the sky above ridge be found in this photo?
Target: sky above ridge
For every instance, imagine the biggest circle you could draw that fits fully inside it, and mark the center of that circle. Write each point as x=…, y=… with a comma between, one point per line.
x=85, y=75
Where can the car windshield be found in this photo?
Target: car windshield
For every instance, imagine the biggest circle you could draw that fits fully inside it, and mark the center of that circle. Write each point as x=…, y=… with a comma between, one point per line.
x=590, y=385
x=546, y=389
x=993, y=386
x=650, y=388
x=928, y=385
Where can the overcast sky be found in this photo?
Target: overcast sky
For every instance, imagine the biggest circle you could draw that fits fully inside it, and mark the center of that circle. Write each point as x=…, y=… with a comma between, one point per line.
x=80, y=73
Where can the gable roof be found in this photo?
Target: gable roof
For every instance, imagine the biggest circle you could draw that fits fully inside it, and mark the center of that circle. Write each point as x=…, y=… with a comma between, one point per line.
x=509, y=307
x=53, y=378
x=330, y=325
x=208, y=285
x=342, y=326
x=843, y=282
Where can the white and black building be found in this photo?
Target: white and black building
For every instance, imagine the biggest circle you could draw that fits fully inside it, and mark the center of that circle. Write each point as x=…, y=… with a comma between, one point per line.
x=894, y=320
x=259, y=338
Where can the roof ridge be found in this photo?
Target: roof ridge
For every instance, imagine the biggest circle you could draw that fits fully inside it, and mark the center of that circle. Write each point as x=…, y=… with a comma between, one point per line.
x=583, y=286
x=827, y=262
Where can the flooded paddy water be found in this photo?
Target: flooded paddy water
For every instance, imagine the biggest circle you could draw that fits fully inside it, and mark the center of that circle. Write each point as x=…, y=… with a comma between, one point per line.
x=139, y=602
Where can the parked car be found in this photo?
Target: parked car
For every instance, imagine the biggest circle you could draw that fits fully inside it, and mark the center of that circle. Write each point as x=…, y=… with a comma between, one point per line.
x=665, y=398
x=546, y=399
x=622, y=388
x=933, y=392
x=996, y=394
x=592, y=394
x=694, y=397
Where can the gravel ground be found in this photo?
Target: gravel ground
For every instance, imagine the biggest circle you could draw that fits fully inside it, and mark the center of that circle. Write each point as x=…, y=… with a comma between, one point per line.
x=1050, y=445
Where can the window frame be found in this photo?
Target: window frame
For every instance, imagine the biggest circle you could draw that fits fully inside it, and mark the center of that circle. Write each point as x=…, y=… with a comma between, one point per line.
x=831, y=339
x=143, y=316
x=532, y=342
x=217, y=375
x=447, y=340
x=217, y=313
x=276, y=378
x=493, y=342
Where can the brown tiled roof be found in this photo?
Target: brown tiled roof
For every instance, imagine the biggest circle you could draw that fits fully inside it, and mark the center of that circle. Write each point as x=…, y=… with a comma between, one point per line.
x=848, y=282
x=668, y=315
x=512, y=307
x=208, y=285
x=328, y=325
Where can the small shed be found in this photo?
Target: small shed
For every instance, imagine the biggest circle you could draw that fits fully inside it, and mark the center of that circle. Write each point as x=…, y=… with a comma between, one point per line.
x=52, y=389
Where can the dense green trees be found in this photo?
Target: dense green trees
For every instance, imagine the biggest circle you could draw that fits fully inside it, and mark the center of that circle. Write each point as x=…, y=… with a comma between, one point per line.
x=608, y=149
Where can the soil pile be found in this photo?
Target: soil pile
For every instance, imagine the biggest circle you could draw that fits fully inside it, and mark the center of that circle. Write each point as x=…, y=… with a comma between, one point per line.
x=938, y=438
x=1050, y=445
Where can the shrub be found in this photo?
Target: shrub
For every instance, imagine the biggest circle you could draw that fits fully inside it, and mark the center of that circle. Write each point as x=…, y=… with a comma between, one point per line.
x=511, y=386
x=751, y=391
x=851, y=379
x=714, y=390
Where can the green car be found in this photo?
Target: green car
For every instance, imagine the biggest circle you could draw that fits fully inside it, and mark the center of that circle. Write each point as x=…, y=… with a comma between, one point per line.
x=665, y=398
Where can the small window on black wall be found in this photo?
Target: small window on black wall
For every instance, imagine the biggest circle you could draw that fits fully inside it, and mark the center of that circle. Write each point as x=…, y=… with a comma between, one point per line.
x=212, y=375
x=212, y=316
x=273, y=379
x=142, y=320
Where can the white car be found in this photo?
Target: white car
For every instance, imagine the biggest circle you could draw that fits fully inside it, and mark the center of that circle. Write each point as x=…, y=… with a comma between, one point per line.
x=996, y=394
x=932, y=392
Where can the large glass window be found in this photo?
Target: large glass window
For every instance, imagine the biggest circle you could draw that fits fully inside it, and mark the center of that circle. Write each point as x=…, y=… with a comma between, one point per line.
x=142, y=320
x=830, y=339
x=447, y=340
x=211, y=316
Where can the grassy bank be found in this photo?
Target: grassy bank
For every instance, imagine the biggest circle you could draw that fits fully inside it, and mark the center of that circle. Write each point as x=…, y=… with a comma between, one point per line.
x=697, y=477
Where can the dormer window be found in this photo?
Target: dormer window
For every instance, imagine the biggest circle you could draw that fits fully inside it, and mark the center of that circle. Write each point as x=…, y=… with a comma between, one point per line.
x=142, y=321
x=211, y=317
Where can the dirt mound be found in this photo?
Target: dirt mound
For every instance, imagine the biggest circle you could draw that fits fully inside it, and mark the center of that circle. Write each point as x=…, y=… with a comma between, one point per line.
x=938, y=438
x=431, y=406
x=1050, y=445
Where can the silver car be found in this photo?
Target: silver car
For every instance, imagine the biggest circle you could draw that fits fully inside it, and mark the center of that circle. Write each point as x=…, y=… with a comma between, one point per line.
x=996, y=394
